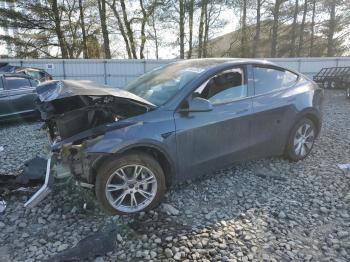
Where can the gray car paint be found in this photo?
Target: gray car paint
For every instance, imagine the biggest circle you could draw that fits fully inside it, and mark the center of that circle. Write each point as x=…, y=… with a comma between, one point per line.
x=197, y=142
x=14, y=102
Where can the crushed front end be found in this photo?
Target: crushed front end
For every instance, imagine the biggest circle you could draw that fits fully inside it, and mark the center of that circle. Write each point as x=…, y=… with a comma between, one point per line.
x=77, y=114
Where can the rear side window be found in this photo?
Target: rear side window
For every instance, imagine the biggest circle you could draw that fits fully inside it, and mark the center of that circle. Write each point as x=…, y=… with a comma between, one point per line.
x=17, y=82
x=269, y=79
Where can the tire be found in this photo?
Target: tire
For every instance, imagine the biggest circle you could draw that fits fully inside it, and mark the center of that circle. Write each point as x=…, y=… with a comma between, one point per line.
x=333, y=84
x=326, y=84
x=124, y=189
x=304, y=132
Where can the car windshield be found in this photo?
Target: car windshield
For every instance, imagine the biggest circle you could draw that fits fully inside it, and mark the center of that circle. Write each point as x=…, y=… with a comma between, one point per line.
x=159, y=85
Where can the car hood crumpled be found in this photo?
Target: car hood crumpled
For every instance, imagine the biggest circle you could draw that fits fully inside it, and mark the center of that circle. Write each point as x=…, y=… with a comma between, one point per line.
x=59, y=89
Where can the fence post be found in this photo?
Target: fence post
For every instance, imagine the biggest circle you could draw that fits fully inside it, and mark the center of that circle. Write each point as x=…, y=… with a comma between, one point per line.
x=144, y=66
x=336, y=62
x=105, y=70
x=64, y=68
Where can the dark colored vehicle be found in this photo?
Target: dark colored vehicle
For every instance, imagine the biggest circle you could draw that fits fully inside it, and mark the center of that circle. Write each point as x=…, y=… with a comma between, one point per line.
x=177, y=122
x=17, y=95
x=333, y=77
x=36, y=73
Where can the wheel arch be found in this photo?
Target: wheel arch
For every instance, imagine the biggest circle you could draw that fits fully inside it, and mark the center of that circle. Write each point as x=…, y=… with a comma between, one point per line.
x=155, y=151
x=313, y=115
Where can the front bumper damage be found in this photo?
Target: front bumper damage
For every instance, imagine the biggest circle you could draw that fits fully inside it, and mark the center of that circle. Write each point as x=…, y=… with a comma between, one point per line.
x=70, y=161
x=44, y=190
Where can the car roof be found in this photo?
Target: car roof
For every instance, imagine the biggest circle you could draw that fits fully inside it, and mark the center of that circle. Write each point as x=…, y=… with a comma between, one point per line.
x=212, y=62
x=15, y=75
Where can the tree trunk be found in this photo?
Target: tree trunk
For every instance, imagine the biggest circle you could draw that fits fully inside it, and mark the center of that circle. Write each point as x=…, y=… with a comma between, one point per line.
x=257, y=29
x=155, y=36
x=201, y=28
x=182, y=28
x=85, y=50
x=121, y=29
x=294, y=29
x=243, y=30
x=312, y=28
x=276, y=13
x=142, y=33
x=206, y=32
x=102, y=12
x=58, y=30
x=331, y=29
x=128, y=30
x=190, y=27
x=302, y=26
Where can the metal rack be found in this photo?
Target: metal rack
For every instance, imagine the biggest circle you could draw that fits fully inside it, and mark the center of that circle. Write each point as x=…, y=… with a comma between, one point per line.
x=333, y=77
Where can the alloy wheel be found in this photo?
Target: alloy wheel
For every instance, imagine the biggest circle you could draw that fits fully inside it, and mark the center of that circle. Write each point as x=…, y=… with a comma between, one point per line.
x=131, y=188
x=304, y=140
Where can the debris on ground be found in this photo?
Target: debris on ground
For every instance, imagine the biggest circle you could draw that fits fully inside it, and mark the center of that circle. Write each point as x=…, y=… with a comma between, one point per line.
x=34, y=170
x=3, y=206
x=345, y=168
x=2, y=148
x=97, y=244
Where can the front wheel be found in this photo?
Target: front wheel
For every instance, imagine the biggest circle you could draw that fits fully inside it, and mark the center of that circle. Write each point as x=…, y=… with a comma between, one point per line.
x=129, y=184
x=301, y=140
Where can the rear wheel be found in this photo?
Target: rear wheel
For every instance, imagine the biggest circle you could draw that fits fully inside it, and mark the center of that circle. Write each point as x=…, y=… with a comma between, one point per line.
x=301, y=140
x=130, y=184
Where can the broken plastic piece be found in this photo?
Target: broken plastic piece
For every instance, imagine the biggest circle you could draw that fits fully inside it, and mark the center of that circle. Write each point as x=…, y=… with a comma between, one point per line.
x=43, y=191
x=345, y=168
x=34, y=170
x=2, y=206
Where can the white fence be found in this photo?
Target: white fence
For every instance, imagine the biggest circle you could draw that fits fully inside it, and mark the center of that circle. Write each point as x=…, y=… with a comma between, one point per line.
x=117, y=72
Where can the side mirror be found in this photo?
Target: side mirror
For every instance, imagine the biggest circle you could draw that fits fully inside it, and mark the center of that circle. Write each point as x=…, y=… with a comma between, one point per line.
x=198, y=104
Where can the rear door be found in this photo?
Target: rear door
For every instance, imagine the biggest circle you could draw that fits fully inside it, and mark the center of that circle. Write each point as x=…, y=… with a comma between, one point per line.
x=21, y=94
x=273, y=107
x=208, y=140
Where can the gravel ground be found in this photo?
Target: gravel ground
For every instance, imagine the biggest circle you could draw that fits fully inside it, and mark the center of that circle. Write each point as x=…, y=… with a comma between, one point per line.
x=20, y=142
x=266, y=210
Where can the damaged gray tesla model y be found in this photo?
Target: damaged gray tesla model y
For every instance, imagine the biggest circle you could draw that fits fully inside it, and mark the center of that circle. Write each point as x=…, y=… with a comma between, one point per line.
x=174, y=123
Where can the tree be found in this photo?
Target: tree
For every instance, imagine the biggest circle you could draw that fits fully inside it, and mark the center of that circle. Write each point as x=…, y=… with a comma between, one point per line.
x=244, y=29
x=312, y=38
x=83, y=31
x=302, y=26
x=182, y=28
x=203, y=5
x=256, y=40
x=294, y=28
x=276, y=16
x=190, y=10
x=103, y=18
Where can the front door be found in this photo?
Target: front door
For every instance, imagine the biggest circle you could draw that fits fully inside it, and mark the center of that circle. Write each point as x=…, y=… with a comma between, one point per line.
x=209, y=140
x=21, y=94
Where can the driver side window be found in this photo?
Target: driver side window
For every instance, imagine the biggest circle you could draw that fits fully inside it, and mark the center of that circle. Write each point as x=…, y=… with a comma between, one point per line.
x=225, y=87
